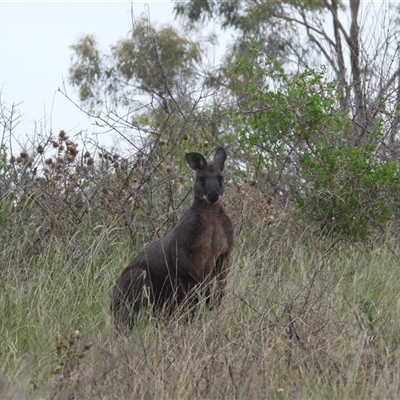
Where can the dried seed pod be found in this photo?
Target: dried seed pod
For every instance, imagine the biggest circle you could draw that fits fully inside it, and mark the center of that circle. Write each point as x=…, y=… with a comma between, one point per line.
x=48, y=161
x=23, y=154
x=73, y=337
x=124, y=165
x=72, y=149
x=88, y=346
x=40, y=149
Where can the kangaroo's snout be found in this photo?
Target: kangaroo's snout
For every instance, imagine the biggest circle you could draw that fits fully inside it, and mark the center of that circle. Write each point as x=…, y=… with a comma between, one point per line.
x=212, y=196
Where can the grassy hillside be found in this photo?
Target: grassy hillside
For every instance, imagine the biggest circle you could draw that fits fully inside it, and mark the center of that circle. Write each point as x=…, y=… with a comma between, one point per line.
x=303, y=318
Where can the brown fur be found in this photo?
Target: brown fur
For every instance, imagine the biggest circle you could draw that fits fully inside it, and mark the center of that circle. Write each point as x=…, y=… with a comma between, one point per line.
x=171, y=270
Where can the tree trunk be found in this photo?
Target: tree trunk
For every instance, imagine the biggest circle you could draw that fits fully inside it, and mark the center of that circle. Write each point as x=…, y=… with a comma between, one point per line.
x=353, y=42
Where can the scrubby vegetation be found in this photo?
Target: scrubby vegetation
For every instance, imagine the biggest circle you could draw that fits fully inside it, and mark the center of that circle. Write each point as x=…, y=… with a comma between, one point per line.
x=303, y=318
x=306, y=315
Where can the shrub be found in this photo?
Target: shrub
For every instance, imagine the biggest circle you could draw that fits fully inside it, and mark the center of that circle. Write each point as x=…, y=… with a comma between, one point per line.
x=301, y=147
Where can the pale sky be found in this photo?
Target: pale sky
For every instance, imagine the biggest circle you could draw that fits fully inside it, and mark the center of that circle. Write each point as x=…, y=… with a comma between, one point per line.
x=35, y=54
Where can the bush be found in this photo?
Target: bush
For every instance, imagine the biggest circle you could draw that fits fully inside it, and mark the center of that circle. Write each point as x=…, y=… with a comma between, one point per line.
x=294, y=138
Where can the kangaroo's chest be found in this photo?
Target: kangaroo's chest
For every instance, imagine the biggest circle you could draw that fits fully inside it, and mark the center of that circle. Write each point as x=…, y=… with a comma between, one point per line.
x=211, y=240
x=198, y=241
x=218, y=239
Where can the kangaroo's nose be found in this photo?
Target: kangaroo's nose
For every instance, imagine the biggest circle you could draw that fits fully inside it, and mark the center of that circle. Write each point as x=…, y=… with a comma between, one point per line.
x=212, y=196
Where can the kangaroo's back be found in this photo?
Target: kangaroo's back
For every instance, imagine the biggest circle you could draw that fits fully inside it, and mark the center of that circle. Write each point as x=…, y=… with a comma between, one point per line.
x=171, y=270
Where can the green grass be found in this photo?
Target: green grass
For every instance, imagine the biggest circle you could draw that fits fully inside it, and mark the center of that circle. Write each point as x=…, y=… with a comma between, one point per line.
x=301, y=320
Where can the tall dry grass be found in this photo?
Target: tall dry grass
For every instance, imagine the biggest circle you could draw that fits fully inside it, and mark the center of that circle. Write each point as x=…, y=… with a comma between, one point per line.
x=304, y=317
x=297, y=322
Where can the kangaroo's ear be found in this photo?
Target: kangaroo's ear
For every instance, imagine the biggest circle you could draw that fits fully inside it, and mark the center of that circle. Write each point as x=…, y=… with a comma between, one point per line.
x=196, y=161
x=219, y=158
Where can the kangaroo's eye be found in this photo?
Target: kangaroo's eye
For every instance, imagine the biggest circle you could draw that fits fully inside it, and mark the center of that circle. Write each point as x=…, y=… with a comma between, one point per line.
x=202, y=178
x=220, y=178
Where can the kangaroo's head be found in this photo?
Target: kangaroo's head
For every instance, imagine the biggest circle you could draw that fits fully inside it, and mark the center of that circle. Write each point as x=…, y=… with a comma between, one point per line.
x=209, y=182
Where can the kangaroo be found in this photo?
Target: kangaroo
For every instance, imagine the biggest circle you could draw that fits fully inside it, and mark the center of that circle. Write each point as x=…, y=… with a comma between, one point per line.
x=171, y=270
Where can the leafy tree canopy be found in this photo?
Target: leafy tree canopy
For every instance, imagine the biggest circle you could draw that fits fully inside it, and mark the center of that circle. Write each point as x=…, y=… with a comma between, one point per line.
x=362, y=54
x=152, y=60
